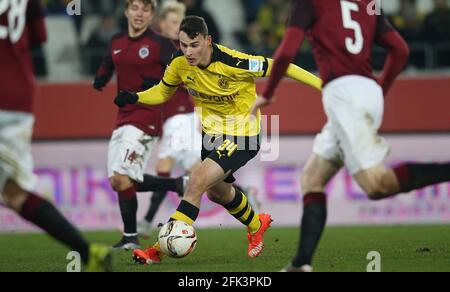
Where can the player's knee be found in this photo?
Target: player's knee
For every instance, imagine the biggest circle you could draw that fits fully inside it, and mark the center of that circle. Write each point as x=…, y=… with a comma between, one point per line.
x=120, y=183
x=214, y=196
x=193, y=168
x=14, y=196
x=374, y=195
x=164, y=166
x=311, y=183
x=195, y=185
x=376, y=191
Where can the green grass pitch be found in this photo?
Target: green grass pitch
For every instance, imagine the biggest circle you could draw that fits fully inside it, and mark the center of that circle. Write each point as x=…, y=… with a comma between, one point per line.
x=402, y=248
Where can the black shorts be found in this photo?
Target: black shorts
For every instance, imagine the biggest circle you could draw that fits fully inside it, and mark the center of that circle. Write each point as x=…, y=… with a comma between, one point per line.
x=230, y=152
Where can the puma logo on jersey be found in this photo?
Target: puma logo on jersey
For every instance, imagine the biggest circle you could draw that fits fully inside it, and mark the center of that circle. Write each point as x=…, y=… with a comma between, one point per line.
x=192, y=79
x=238, y=63
x=117, y=52
x=220, y=154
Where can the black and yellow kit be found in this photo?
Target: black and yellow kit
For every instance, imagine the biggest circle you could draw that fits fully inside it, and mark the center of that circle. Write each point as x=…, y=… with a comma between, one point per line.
x=224, y=93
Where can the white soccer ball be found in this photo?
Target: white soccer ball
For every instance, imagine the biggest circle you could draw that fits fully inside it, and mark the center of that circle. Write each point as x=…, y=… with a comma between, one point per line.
x=177, y=239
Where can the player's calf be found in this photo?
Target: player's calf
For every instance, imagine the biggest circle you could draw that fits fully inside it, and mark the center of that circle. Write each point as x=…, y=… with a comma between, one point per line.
x=221, y=193
x=381, y=189
x=402, y=179
x=128, y=205
x=165, y=165
x=40, y=212
x=378, y=182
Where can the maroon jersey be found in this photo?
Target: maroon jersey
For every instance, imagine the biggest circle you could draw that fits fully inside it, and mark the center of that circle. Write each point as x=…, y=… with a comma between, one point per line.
x=342, y=33
x=21, y=26
x=140, y=63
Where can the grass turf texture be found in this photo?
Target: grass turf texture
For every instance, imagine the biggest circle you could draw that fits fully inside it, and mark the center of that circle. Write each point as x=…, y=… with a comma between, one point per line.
x=402, y=248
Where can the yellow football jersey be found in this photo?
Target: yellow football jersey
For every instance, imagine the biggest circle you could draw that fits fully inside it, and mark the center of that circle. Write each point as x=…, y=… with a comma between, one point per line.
x=223, y=92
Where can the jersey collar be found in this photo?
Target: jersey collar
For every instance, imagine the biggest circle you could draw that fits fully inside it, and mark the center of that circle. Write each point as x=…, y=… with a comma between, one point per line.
x=149, y=31
x=215, y=56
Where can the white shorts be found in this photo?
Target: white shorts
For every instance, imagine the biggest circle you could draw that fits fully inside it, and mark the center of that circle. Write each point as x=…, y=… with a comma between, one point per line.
x=354, y=106
x=16, y=162
x=182, y=140
x=129, y=152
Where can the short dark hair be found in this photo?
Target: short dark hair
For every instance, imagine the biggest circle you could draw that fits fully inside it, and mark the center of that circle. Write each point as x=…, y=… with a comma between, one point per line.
x=194, y=26
x=153, y=4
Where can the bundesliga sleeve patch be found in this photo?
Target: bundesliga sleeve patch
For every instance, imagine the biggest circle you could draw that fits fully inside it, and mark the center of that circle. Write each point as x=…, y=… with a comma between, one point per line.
x=256, y=65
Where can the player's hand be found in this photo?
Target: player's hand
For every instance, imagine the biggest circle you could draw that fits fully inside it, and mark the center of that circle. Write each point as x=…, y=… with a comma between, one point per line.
x=260, y=102
x=124, y=98
x=99, y=82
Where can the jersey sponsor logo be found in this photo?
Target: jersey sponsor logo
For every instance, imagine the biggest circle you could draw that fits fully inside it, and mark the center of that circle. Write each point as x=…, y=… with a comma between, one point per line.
x=224, y=82
x=255, y=65
x=213, y=98
x=144, y=52
x=193, y=92
x=115, y=52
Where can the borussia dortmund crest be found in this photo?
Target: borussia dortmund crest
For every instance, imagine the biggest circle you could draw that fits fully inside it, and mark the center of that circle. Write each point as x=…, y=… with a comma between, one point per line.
x=224, y=82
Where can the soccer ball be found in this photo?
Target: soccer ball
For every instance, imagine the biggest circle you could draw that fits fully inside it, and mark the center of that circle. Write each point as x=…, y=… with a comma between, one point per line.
x=177, y=239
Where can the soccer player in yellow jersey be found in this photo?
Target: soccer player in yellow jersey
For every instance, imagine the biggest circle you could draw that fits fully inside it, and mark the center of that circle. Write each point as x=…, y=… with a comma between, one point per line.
x=222, y=83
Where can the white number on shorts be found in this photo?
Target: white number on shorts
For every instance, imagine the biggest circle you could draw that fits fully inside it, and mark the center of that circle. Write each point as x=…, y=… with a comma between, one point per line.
x=354, y=46
x=16, y=19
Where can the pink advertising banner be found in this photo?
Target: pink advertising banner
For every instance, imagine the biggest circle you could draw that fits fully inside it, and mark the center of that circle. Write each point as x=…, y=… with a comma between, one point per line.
x=73, y=176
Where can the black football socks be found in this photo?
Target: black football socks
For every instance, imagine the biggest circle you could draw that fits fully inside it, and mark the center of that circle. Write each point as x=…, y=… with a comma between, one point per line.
x=413, y=176
x=312, y=226
x=46, y=216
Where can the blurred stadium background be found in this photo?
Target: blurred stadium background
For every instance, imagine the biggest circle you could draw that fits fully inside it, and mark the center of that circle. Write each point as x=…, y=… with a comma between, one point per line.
x=74, y=122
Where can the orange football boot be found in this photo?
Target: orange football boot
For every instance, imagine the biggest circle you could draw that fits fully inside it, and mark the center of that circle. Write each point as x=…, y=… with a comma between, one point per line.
x=150, y=256
x=255, y=241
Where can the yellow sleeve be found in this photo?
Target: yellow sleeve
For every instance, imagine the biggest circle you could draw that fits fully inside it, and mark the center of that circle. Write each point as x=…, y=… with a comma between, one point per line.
x=243, y=65
x=301, y=75
x=166, y=88
x=254, y=67
x=157, y=94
